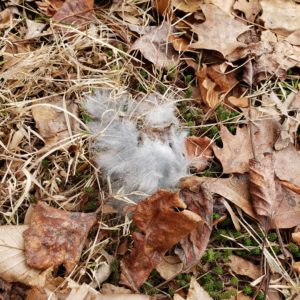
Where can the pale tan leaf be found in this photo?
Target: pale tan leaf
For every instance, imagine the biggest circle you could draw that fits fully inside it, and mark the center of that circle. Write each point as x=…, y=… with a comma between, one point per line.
x=12, y=259
x=178, y=297
x=225, y=5
x=188, y=6
x=250, y=8
x=110, y=289
x=296, y=236
x=197, y=292
x=169, y=267
x=16, y=139
x=296, y=267
x=244, y=267
x=239, y=102
x=219, y=32
x=294, y=38
x=155, y=47
x=278, y=14
x=34, y=29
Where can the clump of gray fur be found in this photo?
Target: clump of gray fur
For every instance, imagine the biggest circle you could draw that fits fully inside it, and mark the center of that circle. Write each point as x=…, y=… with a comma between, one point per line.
x=138, y=143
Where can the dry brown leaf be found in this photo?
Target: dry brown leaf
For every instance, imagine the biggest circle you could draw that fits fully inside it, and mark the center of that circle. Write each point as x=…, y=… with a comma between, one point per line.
x=287, y=165
x=6, y=16
x=179, y=43
x=250, y=8
x=236, y=151
x=155, y=47
x=294, y=38
x=219, y=32
x=189, y=6
x=169, y=267
x=34, y=29
x=110, y=289
x=283, y=15
x=53, y=122
x=56, y=237
x=199, y=200
x=239, y=102
x=75, y=12
x=244, y=267
x=163, y=226
x=50, y=7
x=296, y=236
x=241, y=296
x=197, y=292
x=161, y=6
x=262, y=185
x=225, y=5
x=296, y=267
x=199, y=151
x=214, y=83
x=13, y=267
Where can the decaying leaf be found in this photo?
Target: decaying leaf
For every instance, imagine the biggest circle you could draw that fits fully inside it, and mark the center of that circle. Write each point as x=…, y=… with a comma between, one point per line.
x=296, y=236
x=155, y=47
x=219, y=32
x=75, y=12
x=56, y=237
x=214, y=83
x=262, y=185
x=197, y=292
x=50, y=7
x=236, y=151
x=34, y=29
x=198, y=199
x=250, y=8
x=296, y=267
x=238, y=102
x=13, y=267
x=169, y=267
x=163, y=226
x=188, y=6
x=54, y=122
x=199, y=151
x=282, y=15
x=244, y=267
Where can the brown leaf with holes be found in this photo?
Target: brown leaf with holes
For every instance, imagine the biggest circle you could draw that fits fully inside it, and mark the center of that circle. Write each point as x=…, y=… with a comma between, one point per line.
x=75, y=12
x=199, y=151
x=163, y=220
x=155, y=47
x=50, y=7
x=215, y=83
x=56, y=237
x=250, y=8
x=219, y=32
x=55, y=123
x=244, y=267
x=198, y=199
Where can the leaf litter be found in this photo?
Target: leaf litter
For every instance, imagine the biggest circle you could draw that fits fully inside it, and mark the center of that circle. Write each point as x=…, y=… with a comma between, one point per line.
x=212, y=92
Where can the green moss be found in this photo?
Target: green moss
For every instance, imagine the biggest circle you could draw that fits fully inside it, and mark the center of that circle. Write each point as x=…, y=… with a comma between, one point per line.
x=256, y=251
x=89, y=189
x=218, y=270
x=171, y=291
x=248, y=242
x=293, y=248
x=189, y=92
x=234, y=281
x=45, y=163
x=85, y=117
x=188, y=78
x=228, y=294
x=260, y=296
x=144, y=73
x=247, y=290
x=216, y=216
x=276, y=249
x=272, y=236
x=218, y=285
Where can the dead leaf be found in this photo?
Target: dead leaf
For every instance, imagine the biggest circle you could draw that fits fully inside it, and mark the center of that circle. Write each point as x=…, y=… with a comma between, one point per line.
x=250, y=8
x=294, y=38
x=13, y=267
x=179, y=43
x=50, y=7
x=283, y=15
x=215, y=83
x=56, y=237
x=219, y=32
x=161, y=6
x=169, y=267
x=225, y=5
x=34, y=29
x=75, y=12
x=155, y=47
x=296, y=267
x=262, y=185
x=236, y=151
x=163, y=226
x=199, y=151
x=197, y=292
x=53, y=123
x=6, y=17
x=110, y=289
x=239, y=102
x=188, y=6
x=296, y=236
x=241, y=296
x=244, y=267
x=199, y=200
x=287, y=162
